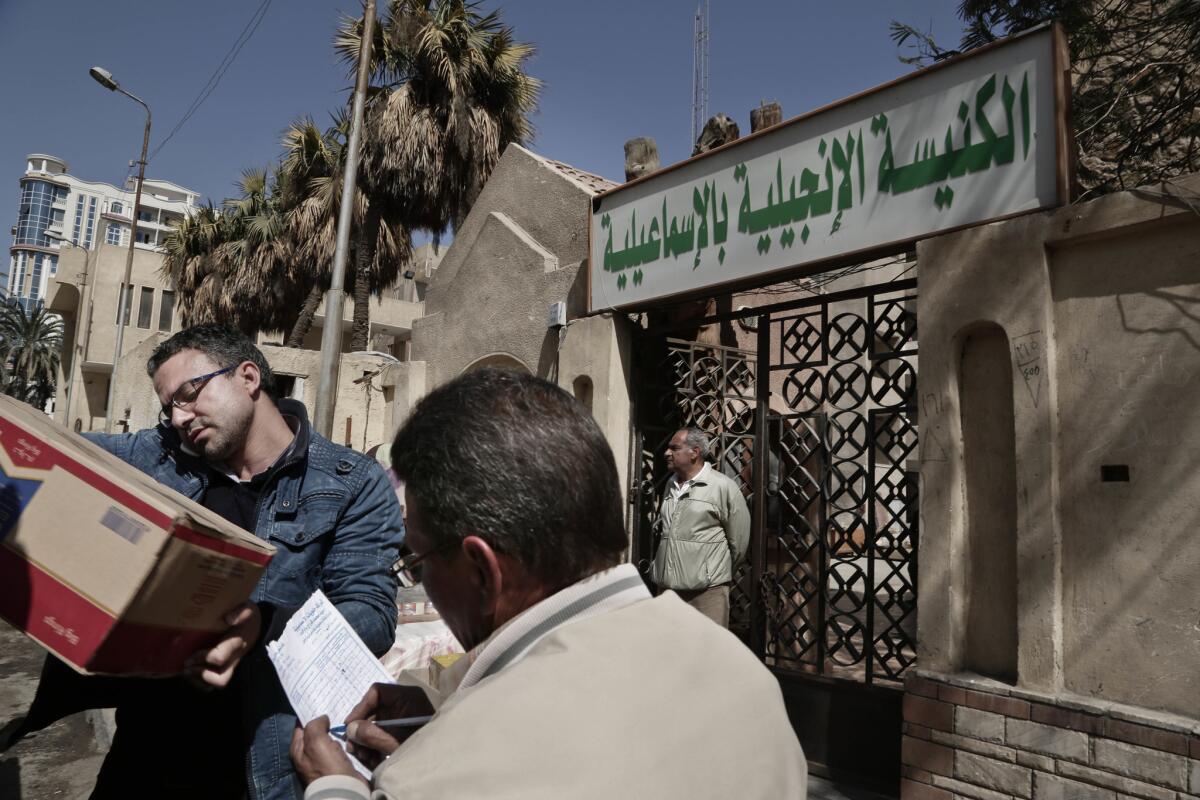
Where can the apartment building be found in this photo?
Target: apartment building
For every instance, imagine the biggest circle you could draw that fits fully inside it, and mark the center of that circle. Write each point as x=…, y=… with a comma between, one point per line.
x=69, y=249
x=59, y=210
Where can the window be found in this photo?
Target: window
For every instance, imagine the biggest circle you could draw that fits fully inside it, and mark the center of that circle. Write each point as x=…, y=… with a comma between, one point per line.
x=166, y=311
x=113, y=234
x=144, y=237
x=35, y=283
x=116, y=207
x=89, y=232
x=36, y=211
x=53, y=265
x=124, y=298
x=145, y=307
x=146, y=215
x=78, y=219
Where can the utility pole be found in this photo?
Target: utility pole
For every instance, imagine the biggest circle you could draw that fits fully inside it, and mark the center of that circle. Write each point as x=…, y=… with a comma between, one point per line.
x=125, y=291
x=335, y=297
x=699, y=73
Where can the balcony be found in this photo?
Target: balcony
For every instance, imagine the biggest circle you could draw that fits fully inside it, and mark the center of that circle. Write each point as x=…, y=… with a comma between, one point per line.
x=63, y=293
x=389, y=317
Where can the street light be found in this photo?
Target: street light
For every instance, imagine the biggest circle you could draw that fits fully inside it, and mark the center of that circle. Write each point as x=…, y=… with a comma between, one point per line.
x=105, y=79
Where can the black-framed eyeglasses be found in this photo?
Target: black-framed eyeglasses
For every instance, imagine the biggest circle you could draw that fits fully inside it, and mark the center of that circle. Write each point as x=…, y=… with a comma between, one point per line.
x=411, y=563
x=187, y=393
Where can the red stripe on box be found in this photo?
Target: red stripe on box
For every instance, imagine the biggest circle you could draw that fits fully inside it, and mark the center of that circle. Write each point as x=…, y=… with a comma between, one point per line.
x=136, y=649
x=20, y=453
x=50, y=456
x=56, y=615
x=186, y=534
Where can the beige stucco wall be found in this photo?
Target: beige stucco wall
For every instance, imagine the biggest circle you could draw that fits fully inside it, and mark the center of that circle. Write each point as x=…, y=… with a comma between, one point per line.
x=404, y=386
x=522, y=248
x=85, y=292
x=1098, y=303
x=134, y=402
x=519, y=250
x=364, y=407
x=595, y=365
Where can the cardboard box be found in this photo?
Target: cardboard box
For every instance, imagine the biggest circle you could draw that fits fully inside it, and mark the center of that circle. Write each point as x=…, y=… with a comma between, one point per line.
x=102, y=565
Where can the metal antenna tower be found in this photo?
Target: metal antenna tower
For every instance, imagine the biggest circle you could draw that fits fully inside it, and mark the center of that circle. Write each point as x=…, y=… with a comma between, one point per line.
x=700, y=72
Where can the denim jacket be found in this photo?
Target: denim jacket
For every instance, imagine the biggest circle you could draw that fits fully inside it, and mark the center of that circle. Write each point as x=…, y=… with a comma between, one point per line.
x=334, y=520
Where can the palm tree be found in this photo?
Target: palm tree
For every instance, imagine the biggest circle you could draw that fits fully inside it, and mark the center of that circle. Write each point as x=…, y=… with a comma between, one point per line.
x=451, y=93
x=190, y=263
x=257, y=293
x=30, y=348
x=314, y=160
x=229, y=263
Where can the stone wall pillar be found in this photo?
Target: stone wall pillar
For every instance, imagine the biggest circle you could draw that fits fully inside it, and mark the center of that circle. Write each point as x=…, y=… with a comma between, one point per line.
x=1080, y=487
x=766, y=115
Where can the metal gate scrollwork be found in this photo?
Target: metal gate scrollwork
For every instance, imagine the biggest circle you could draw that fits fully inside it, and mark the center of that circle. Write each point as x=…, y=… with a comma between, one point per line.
x=838, y=581
x=712, y=388
x=829, y=393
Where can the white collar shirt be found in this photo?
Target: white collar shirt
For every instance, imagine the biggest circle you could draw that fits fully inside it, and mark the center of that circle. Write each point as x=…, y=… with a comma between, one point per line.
x=676, y=489
x=604, y=591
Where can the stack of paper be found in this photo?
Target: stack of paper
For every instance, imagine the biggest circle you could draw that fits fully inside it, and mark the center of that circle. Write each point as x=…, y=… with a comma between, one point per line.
x=323, y=665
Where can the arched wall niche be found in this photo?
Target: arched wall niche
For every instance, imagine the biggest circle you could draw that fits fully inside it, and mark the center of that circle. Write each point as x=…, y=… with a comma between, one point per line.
x=499, y=361
x=985, y=386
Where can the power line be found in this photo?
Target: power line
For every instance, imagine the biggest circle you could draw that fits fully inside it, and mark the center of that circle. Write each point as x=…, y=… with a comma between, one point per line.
x=255, y=20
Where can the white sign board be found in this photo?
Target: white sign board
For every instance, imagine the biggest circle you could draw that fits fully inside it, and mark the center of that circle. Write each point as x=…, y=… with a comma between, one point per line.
x=957, y=144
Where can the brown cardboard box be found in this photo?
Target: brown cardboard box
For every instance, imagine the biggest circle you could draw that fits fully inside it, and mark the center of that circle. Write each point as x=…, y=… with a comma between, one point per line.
x=103, y=566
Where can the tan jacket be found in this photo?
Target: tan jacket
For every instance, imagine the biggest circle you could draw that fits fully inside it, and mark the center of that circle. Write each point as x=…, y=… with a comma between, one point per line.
x=706, y=535
x=648, y=700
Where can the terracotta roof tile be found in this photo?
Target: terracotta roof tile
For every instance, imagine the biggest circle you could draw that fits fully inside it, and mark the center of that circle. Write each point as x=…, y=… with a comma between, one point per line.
x=592, y=183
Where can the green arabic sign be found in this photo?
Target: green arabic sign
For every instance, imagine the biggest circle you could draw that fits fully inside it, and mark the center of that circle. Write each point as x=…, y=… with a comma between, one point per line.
x=967, y=142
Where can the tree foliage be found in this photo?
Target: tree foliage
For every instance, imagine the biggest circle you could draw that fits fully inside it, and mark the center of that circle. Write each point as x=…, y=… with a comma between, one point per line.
x=448, y=94
x=452, y=93
x=1135, y=67
x=30, y=349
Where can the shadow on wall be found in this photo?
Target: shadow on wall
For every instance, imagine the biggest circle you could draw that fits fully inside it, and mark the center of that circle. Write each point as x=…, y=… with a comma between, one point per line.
x=581, y=387
x=1127, y=320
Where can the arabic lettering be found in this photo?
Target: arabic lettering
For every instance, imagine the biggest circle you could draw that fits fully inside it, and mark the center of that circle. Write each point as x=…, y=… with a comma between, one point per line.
x=929, y=167
x=798, y=194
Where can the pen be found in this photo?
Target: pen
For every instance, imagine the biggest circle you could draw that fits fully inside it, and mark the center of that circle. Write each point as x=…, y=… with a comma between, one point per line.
x=406, y=722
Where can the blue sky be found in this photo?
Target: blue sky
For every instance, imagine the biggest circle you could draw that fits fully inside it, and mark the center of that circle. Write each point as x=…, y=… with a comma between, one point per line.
x=612, y=70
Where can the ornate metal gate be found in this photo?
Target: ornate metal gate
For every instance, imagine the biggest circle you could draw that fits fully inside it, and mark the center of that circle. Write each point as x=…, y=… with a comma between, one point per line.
x=708, y=387
x=815, y=416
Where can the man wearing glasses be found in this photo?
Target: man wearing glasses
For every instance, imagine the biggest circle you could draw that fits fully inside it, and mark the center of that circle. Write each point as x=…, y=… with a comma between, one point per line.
x=580, y=684
x=226, y=441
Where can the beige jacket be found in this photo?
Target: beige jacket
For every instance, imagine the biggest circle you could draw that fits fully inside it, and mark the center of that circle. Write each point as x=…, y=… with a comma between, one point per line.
x=647, y=700
x=703, y=538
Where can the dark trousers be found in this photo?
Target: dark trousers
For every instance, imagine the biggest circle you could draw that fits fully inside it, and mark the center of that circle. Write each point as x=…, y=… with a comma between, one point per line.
x=176, y=742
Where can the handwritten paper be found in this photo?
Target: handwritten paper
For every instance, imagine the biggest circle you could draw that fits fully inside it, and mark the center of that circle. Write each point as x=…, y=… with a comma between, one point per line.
x=323, y=665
